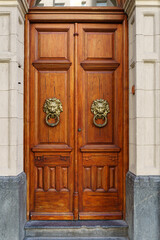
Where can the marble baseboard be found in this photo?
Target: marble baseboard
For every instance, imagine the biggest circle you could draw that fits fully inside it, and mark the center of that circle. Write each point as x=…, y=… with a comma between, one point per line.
x=143, y=207
x=12, y=207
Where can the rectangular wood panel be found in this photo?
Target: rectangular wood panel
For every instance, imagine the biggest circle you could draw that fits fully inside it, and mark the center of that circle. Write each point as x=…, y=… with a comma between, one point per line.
x=53, y=84
x=98, y=85
x=58, y=47
x=98, y=45
x=53, y=179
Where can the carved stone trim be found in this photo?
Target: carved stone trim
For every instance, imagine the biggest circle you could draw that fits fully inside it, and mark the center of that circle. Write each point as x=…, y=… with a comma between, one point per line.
x=130, y=5
x=143, y=181
x=21, y=4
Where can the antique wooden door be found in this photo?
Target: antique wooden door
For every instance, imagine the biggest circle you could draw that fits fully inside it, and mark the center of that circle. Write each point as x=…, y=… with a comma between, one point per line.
x=76, y=121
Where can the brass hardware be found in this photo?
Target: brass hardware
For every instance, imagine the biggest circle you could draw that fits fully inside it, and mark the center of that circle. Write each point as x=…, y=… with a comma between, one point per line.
x=52, y=107
x=100, y=109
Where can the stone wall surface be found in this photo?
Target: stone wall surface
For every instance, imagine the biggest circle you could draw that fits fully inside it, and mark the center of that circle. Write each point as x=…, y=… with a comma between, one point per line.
x=12, y=207
x=143, y=192
x=11, y=86
x=143, y=188
x=143, y=207
x=12, y=178
x=144, y=74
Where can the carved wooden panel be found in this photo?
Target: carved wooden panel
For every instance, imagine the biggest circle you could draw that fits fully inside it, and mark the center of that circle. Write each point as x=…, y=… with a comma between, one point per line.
x=109, y=159
x=52, y=179
x=99, y=172
x=95, y=179
x=40, y=179
x=87, y=178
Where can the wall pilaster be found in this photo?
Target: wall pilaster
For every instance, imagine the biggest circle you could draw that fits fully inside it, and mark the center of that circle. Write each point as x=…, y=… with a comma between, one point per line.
x=143, y=180
x=12, y=177
x=12, y=15
x=144, y=106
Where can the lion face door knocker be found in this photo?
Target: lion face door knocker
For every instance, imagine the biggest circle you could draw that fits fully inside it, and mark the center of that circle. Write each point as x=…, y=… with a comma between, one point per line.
x=52, y=107
x=100, y=109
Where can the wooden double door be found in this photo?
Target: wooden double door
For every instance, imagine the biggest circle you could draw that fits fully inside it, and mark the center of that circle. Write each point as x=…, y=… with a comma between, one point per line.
x=76, y=121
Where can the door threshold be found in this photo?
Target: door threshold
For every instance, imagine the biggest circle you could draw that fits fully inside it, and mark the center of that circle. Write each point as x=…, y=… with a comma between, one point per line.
x=75, y=223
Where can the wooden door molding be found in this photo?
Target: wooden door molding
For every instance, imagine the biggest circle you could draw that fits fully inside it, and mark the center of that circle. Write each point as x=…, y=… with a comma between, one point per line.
x=38, y=20
x=76, y=14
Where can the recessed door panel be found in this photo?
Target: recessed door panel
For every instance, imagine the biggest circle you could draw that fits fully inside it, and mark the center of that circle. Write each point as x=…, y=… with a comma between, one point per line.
x=54, y=83
x=98, y=85
x=57, y=41
x=99, y=44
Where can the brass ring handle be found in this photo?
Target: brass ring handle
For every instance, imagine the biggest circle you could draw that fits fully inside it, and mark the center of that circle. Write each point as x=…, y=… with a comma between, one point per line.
x=52, y=107
x=100, y=109
x=52, y=124
x=99, y=125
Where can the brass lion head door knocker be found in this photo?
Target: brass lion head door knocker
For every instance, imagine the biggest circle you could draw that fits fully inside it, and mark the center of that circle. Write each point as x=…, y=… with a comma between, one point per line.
x=100, y=109
x=52, y=107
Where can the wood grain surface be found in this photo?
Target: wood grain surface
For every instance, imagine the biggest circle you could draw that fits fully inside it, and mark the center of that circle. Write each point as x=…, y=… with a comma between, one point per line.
x=76, y=170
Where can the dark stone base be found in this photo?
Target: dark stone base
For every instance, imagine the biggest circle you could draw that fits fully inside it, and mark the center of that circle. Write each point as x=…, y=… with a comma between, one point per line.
x=77, y=230
x=143, y=207
x=12, y=207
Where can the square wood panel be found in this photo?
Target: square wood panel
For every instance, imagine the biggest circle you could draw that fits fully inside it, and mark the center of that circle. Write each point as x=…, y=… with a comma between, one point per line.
x=99, y=45
x=57, y=42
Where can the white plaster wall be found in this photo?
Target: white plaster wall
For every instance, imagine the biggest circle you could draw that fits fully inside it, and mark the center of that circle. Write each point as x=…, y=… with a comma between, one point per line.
x=11, y=86
x=144, y=106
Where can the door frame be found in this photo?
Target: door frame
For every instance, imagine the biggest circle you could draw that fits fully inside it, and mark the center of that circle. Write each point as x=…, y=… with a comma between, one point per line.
x=77, y=15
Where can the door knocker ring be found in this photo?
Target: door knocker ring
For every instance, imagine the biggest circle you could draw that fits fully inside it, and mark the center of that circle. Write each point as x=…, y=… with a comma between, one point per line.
x=100, y=109
x=56, y=117
x=52, y=107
